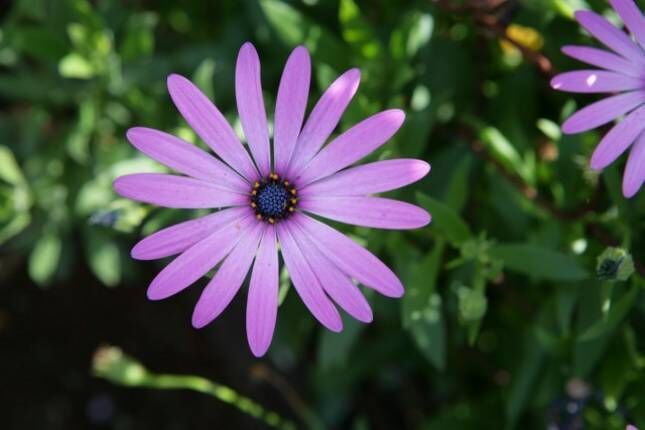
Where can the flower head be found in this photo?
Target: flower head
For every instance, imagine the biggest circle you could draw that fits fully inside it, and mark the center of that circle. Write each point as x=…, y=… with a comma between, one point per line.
x=622, y=72
x=265, y=199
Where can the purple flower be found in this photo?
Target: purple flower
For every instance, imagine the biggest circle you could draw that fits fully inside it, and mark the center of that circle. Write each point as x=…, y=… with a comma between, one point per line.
x=621, y=71
x=264, y=201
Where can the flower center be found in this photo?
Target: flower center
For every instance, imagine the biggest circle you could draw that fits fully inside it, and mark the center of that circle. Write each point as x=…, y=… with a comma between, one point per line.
x=273, y=199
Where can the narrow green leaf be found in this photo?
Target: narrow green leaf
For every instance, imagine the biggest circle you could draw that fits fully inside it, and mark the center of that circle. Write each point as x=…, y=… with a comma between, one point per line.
x=538, y=262
x=103, y=257
x=615, y=315
x=421, y=308
x=445, y=221
x=44, y=258
x=9, y=169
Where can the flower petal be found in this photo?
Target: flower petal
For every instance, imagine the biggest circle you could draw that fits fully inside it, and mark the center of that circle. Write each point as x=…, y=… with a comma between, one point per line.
x=374, y=212
x=185, y=158
x=290, y=107
x=350, y=257
x=609, y=35
x=197, y=260
x=603, y=111
x=618, y=139
x=324, y=118
x=172, y=191
x=369, y=178
x=335, y=283
x=635, y=170
x=262, y=302
x=305, y=281
x=209, y=123
x=632, y=17
x=594, y=81
x=229, y=277
x=179, y=237
x=250, y=106
x=603, y=59
x=351, y=146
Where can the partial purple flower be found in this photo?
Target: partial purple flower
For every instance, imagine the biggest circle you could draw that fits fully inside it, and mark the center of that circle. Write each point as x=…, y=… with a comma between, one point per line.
x=262, y=199
x=621, y=72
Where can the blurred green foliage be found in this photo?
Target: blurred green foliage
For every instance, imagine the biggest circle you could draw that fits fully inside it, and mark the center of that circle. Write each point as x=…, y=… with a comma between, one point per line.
x=504, y=323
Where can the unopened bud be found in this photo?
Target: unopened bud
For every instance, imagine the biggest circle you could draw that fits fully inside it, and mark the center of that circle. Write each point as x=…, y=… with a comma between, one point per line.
x=472, y=304
x=111, y=363
x=614, y=264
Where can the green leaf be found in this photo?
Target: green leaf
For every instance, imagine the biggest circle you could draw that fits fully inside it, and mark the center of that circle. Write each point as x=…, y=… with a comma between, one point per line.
x=412, y=34
x=17, y=224
x=139, y=38
x=44, y=258
x=445, y=221
x=357, y=31
x=504, y=151
x=421, y=308
x=457, y=191
x=524, y=380
x=615, y=315
x=335, y=348
x=9, y=169
x=538, y=262
x=103, y=257
x=294, y=28
x=76, y=66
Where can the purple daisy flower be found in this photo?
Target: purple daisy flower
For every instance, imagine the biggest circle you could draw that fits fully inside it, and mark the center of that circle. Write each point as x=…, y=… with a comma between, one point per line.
x=264, y=201
x=621, y=71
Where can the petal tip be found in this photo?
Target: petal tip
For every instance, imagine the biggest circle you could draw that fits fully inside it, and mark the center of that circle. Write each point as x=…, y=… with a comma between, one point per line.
x=174, y=80
x=556, y=83
x=336, y=326
x=198, y=321
x=569, y=127
x=630, y=188
x=153, y=293
x=258, y=349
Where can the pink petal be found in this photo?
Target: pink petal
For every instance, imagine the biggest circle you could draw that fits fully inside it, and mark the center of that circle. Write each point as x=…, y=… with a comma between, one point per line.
x=290, y=106
x=609, y=35
x=335, y=283
x=229, y=277
x=351, y=258
x=262, y=302
x=603, y=59
x=305, y=281
x=197, y=260
x=375, y=212
x=369, y=178
x=635, y=170
x=324, y=118
x=172, y=191
x=351, y=146
x=618, y=139
x=250, y=105
x=603, y=111
x=210, y=125
x=185, y=158
x=594, y=81
x=179, y=237
x=632, y=17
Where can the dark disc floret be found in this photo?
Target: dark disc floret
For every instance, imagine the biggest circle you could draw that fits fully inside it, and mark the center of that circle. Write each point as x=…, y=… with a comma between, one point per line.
x=273, y=198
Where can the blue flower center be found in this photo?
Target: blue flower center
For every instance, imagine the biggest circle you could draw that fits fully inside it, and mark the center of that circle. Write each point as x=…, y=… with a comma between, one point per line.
x=273, y=199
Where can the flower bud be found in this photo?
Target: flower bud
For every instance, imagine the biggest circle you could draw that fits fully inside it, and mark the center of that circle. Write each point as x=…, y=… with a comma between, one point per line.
x=472, y=304
x=614, y=264
x=112, y=364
